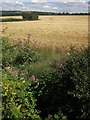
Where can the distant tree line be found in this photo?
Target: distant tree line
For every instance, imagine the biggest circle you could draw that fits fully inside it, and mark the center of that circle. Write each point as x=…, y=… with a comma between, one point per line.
x=10, y=13
x=19, y=13
x=25, y=16
x=63, y=13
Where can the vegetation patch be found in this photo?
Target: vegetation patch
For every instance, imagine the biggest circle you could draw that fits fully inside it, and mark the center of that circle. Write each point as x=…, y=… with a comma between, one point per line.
x=25, y=16
x=10, y=19
x=55, y=91
x=29, y=16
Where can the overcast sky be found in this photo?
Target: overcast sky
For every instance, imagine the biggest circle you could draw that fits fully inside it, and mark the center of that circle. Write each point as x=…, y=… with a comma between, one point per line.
x=45, y=5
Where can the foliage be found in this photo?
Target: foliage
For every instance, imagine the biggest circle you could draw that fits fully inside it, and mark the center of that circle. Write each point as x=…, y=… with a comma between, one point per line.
x=29, y=16
x=60, y=91
x=18, y=13
x=10, y=20
x=18, y=100
x=10, y=13
x=17, y=54
x=67, y=89
x=22, y=60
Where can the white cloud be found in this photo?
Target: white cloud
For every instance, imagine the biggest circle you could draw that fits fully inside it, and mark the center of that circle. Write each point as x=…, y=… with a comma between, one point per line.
x=43, y=5
x=12, y=1
x=65, y=1
x=47, y=6
x=12, y=4
x=36, y=1
x=55, y=8
x=50, y=7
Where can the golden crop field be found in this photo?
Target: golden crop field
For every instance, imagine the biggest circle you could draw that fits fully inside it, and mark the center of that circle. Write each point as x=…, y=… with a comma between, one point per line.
x=55, y=31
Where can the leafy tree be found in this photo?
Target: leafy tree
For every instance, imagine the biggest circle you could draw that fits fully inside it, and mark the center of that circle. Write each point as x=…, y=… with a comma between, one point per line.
x=29, y=16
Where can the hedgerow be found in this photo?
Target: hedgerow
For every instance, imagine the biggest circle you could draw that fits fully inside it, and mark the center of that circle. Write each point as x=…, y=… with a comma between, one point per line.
x=59, y=93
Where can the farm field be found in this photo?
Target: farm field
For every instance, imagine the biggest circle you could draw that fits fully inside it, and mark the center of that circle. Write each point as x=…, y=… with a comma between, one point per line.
x=56, y=31
x=45, y=68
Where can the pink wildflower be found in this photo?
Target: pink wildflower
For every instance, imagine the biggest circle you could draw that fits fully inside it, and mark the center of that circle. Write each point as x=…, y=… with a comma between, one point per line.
x=33, y=78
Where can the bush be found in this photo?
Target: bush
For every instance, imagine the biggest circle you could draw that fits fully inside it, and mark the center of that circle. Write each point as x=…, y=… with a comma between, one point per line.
x=18, y=54
x=18, y=100
x=29, y=16
x=67, y=90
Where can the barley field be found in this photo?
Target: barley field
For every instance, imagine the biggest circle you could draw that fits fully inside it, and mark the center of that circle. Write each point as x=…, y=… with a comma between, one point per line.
x=56, y=31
